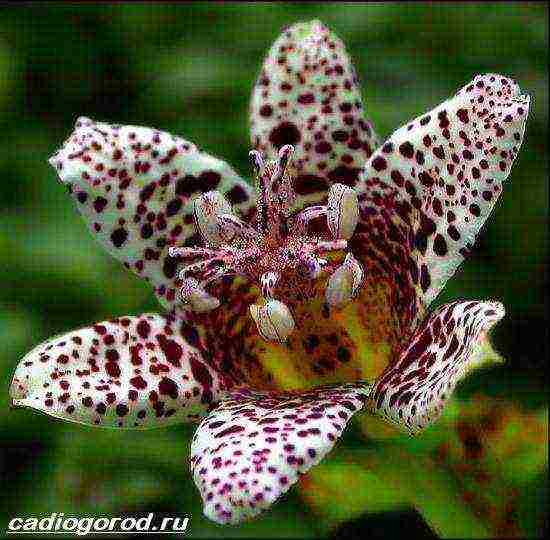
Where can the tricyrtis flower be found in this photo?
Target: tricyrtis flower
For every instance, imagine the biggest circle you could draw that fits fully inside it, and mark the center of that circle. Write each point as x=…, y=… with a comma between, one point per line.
x=283, y=298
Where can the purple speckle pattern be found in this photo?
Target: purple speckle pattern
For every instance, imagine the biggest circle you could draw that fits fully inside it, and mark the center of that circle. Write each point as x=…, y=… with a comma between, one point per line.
x=134, y=186
x=441, y=174
x=129, y=372
x=412, y=391
x=255, y=445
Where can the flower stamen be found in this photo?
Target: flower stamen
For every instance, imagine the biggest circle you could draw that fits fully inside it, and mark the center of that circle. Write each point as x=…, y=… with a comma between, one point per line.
x=278, y=254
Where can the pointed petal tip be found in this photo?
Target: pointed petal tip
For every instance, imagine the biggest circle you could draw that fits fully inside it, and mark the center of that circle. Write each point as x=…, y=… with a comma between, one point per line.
x=495, y=312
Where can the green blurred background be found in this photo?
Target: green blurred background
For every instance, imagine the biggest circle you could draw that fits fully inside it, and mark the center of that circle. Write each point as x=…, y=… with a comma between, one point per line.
x=189, y=69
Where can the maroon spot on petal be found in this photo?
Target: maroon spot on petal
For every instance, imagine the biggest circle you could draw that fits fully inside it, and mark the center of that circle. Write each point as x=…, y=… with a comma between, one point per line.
x=138, y=382
x=397, y=177
x=266, y=110
x=202, y=376
x=99, y=204
x=229, y=431
x=306, y=184
x=173, y=207
x=452, y=231
x=344, y=175
x=340, y=136
x=112, y=369
x=168, y=387
x=170, y=266
x=462, y=115
x=440, y=245
x=87, y=401
x=406, y=149
x=323, y=147
x=143, y=329
x=209, y=180
x=284, y=133
x=236, y=195
x=171, y=350
x=147, y=191
x=187, y=186
x=121, y=409
x=112, y=355
x=306, y=99
x=119, y=236
x=379, y=163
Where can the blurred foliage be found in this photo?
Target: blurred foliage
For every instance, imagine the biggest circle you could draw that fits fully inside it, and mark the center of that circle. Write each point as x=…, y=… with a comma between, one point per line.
x=189, y=69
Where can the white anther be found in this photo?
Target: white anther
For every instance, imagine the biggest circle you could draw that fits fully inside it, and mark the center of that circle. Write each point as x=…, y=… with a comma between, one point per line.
x=342, y=211
x=268, y=281
x=274, y=320
x=196, y=298
x=206, y=209
x=344, y=283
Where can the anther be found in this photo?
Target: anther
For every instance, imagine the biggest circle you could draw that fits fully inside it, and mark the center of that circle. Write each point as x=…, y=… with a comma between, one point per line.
x=342, y=211
x=206, y=209
x=274, y=320
x=256, y=160
x=344, y=283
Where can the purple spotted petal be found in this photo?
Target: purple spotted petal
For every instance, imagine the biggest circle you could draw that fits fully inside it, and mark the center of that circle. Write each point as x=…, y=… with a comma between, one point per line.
x=252, y=448
x=412, y=391
x=132, y=372
x=441, y=175
x=134, y=186
x=308, y=95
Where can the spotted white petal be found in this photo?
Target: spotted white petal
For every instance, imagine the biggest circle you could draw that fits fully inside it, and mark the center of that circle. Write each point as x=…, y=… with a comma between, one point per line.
x=441, y=175
x=273, y=319
x=308, y=95
x=412, y=391
x=255, y=445
x=342, y=211
x=130, y=372
x=135, y=186
x=344, y=283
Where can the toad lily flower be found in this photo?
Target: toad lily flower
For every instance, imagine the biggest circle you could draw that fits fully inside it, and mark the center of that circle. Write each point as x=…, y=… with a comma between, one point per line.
x=283, y=298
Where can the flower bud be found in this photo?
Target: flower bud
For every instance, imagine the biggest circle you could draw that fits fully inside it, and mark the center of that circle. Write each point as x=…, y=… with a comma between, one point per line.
x=344, y=283
x=206, y=209
x=274, y=320
x=196, y=298
x=342, y=211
